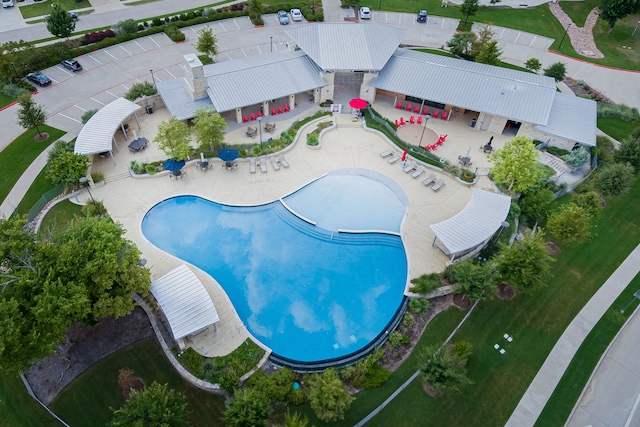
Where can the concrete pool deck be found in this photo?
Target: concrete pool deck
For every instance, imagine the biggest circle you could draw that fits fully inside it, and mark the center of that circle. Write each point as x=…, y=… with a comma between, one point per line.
x=348, y=146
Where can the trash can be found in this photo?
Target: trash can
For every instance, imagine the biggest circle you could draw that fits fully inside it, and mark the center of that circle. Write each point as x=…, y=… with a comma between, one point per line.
x=473, y=123
x=149, y=109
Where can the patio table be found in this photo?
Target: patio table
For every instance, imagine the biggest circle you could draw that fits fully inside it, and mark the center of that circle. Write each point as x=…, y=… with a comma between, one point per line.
x=138, y=144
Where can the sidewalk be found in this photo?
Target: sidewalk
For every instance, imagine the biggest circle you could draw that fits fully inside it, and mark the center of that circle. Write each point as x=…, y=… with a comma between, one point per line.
x=549, y=375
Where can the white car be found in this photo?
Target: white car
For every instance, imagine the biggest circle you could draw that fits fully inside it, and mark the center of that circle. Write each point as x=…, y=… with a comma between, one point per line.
x=365, y=12
x=7, y=3
x=296, y=15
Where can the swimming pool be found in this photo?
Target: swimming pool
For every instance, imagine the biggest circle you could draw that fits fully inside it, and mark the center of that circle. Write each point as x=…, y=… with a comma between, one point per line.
x=307, y=292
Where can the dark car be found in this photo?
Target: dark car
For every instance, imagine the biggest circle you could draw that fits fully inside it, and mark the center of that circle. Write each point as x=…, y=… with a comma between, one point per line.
x=422, y=16
x=71, y=65
x=74, y=16
x=39, y=78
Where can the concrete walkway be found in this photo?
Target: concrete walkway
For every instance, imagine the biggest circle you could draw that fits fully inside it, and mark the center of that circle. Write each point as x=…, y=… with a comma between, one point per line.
x=545, y=382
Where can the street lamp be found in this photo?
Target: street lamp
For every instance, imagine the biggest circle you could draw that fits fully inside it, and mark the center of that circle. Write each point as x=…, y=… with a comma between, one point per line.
x=260, y=130
x=85, y=182
x=563, y=36
x=153, y=78
x=271, y=43
x=423, y=128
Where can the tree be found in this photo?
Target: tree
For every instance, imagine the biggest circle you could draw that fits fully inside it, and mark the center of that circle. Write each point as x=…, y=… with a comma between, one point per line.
x=613, y=10
x=483, y=38
x=328, y=396
x=577, y=157
x=209, y=128
x=475, y=280
x=173, y=138
x=570, y=224
x=140, y=90
x=469, y=8
x=537, y=204
x=613, y=179
x=60, y=23
x=629, y=150
x=67, y=168
x=490, y=54
x=255, y=10
x=128, y=26
x=207, y=42
x=526, y=264
x=157, y=405
x=516, y=166
x=247, y=408
x=461, y=44
x=557, y=70
x=31, y=115
x=295, y=420
x=533, y=64
x=590, y=202
x=441, y=370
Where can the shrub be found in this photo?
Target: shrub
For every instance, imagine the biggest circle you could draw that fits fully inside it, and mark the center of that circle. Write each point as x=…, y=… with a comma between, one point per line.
x=174, y=33
x=614, y=179
x=425, y=284
x=93, y=209
x=420, y=305
x=590, y=202
x=243, y=152
x=256, y=150
x=577, y=157
x=140, y=90
x=97, y=176
x=395, y=339
x=312, y=139
x=150, y=169
x=128, y=26
x=462, y=350
x=408, y=320
x=87, y=116
x=157, y=22
x=618, y=111
x=14, y=91
x=376, y=376
x=604, y=148
x=570, y=224
x=97, y=36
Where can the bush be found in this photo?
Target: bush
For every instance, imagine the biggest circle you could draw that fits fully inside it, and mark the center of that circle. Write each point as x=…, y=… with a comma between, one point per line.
x=420, y=305
x=87, y=116
x=128, y=26
x=614, y=179
x=243, y=152
x=14, y=91
x=174, y=33
x=408, y=320
x=140, y=90
x=256, y=150
x=557, y=151
x=376, y=376
x=157, y=22
x=425, y=284
x=312, y=139
x=396, y=339
x=93, y=209
x=617, y=111
x=97, y=36
x=97, y=177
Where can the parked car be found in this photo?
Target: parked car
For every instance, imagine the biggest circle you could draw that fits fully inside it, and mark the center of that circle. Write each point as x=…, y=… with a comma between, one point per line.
x=365, y=12
x=296, y=15
x=74, y=16
x=283, y=17
x=71, y=65
x=39, y=78
x=7, y=3
x=422, y=16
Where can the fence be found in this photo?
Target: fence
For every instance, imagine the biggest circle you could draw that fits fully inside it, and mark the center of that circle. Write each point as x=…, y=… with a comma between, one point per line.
x=43, y=200
x=382, y=122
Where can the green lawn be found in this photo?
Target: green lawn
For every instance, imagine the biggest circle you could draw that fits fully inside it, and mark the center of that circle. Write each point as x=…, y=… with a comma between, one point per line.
x=40, y=186
x=86, y=401
x=5, y=100
x=18, y=155
x=44, y=8
x=60, y=215
x=17, y=408
x=615, y=128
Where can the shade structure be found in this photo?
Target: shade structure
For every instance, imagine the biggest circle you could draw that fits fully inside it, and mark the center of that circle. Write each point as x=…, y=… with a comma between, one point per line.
x=173, y=165
x=228, y=155
x=358, y=103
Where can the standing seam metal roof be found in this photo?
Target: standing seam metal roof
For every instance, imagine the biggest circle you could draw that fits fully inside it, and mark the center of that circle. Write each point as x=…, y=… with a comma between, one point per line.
x=348, y=46
x=178, y=100
x=474, y=224
x=517, y=95
x=96, y=135
x=184, y=301
x=572, y=118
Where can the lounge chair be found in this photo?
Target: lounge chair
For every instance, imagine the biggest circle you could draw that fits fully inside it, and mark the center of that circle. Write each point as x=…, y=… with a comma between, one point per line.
x=263, y=165
x=386, y=153
x=430, y=180
x=395, y=158
x=274, y=163
x=283, y=161
x=409, y=167
x=252, y=165
x=418, y=172
x=438, y=185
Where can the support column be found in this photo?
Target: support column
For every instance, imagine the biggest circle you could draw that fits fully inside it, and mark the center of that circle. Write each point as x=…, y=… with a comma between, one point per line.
x=239, y=115
x=292, y=101
x=316, y=95
x=265, y=108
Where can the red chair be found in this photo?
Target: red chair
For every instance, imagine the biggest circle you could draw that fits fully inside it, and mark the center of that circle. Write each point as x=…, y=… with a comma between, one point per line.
x=280, y=109
x=435, y=114
x=443, y=116
x=286, y=108
x=399, y=105
x=419, y=120
x=444, y=137
x=245, y=118
x=409, y=107
x=398, y=123
x=273, y=111
x=412, y=120
x=416, y=109
x=253, y=116
x=425, y=111
x=258, y=114
x=402, y=122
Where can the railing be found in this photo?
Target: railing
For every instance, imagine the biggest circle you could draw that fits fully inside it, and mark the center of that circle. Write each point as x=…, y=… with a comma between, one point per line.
x=43, y=200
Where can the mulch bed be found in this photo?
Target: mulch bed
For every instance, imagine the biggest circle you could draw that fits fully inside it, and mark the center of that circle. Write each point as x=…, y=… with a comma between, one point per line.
x=552, y=248
x=505, y=291
x=461, y=301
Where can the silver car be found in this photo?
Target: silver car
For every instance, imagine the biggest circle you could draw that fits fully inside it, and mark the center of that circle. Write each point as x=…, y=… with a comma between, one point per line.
x=7, y=3
x=283, y=17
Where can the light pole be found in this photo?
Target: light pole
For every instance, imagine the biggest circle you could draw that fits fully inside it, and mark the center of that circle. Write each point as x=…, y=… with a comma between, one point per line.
x=85, y=182
x=153, y=78
x=271, y=43
x=563, y=36
x=260, y=130
x=423, y=128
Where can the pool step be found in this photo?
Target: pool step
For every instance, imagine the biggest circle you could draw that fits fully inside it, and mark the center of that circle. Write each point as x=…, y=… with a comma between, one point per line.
x=117, y=177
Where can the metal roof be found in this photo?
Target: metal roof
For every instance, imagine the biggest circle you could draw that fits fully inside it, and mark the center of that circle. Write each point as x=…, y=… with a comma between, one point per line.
x=185, y=302
x=474, y=224
x=516, y=95
x=572, y=118
x=178, y=100
x=96, y=135
x=348, y=46
x=256, y=79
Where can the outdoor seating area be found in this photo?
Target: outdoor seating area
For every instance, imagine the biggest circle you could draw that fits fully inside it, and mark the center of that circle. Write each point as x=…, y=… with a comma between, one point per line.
x=439, y=142
x=269, y=127
x=417, y=110
x=138, y=144
x=251, y=132
x=252, y=117
x=280, y=109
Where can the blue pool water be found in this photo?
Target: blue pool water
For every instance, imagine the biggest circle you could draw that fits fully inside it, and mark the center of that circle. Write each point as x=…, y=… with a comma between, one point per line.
x=308, y=293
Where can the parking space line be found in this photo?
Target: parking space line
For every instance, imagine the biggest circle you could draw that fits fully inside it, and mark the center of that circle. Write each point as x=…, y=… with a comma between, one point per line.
x=70, y=118
x=153, y=40
x=54, y=80
x=182, y=67
x=95, y=59
x=80, y=108
x=227, y=56
x=64, y=70
x=237, y=26
x=105, y=51
x=223, y=28
x=516, y=40
x=140, y=46
x=501, y=34
x=242, y=50
x=93, y=99
x=534, y=39
x=112, y=94
x=124, y=86
x=170, y=73
x=122, y=47
x=259, y=51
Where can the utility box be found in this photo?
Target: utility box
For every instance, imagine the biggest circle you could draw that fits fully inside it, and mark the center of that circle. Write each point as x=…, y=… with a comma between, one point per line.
x=149, y=109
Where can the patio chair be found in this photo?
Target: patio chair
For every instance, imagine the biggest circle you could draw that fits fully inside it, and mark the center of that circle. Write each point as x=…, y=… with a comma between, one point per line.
x=252, y=165
x=283, y=161
x=417, y=172
x=438, y=185
x=395, y=158
x=258, y=114
x=402, y=122
x=286, y=108
x=280, y=109
x=409, y=107
x=443, y=116
x=416, y=109
x=435, y=114
x=263, y=165
x=253, y=117
x=425, y=111
x=430, y=180
x=399, y=105
x=419, y=120
x=412, y=120
x=398, y=123
x=274, y=163
x=273, y=111
x=386, y=153
x=245, y=118
x=409, y=167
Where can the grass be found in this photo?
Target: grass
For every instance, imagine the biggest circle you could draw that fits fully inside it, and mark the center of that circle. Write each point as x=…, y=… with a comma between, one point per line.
x=615, y=128
x=60, y=215
x=584, y=362
x=86, y=401
x=18, y=155
x=17, y=408
x=39, y=186
x=43, y=9
x=5, y=100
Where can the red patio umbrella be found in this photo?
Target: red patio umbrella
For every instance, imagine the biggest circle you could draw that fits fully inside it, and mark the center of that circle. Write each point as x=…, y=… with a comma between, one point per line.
x=404, y=154
x=358, y=103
